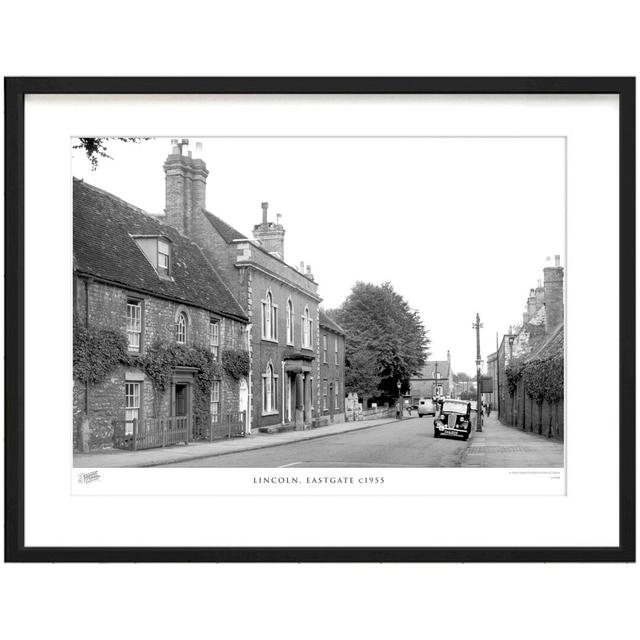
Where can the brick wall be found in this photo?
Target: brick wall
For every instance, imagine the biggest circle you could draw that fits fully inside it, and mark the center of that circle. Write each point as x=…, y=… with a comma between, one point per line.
x=522, y=412
x=264, y=351
x=330, y=373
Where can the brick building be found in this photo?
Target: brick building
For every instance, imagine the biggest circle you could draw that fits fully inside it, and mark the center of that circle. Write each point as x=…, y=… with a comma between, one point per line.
x=280, y=300
x=332, y=338
x=150, y=285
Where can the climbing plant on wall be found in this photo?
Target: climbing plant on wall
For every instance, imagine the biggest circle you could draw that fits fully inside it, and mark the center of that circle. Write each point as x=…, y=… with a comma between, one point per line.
x=97, y=352
x=162, y=358
x=513, y=371
x=236, y=363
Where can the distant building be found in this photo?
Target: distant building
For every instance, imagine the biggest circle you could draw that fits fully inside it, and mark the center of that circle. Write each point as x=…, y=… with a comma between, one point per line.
x=435, y=378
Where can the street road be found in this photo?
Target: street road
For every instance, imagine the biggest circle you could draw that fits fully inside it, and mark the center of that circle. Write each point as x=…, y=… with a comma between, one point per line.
x=406, y=443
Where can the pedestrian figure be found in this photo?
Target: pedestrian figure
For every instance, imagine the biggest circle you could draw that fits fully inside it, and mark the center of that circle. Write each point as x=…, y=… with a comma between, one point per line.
x=488, y=409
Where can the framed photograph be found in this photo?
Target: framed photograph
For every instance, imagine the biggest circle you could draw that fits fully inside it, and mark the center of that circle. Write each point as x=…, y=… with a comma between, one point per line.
x=320, y=319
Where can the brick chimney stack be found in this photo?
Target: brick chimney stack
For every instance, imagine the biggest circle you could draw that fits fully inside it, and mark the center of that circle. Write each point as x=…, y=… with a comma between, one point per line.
x=185, y=186
x=531, y=303
x=554, y=295
x=539, y=296
x=270, y=234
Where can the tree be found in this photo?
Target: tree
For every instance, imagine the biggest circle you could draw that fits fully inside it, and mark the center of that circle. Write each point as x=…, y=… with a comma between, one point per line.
x=386, y=341
x=95, y=148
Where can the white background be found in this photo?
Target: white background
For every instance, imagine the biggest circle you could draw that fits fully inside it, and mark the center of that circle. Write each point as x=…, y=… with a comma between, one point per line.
x=489, y=38
x=587, y=516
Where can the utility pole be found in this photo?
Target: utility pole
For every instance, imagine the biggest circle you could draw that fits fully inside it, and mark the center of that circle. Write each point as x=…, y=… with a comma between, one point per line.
x=435, y=384
x=497, y=376
x=477, y=327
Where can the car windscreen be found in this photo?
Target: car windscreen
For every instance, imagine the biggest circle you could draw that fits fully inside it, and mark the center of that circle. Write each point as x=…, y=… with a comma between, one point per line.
x=458, y=407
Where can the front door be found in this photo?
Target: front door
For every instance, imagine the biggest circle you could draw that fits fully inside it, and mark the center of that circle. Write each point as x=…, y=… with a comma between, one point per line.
x=182, y=400
x=243, y=401
x=181, y=406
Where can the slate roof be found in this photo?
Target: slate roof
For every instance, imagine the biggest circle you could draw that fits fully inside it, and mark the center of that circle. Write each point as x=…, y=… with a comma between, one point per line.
x=228, y=233
x=429, y=370
x=103, y=247
x=329, y=323
x=550, y=347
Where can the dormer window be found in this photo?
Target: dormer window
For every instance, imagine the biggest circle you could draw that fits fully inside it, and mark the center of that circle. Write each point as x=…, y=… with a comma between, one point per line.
x=163, y=258
x=157, y=250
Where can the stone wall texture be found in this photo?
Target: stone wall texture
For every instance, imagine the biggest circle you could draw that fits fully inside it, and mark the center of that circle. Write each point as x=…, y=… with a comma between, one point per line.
x=100, y=404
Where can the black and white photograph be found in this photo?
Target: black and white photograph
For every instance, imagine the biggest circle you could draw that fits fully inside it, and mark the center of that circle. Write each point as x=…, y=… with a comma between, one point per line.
x=298, y=318
x=319, y=302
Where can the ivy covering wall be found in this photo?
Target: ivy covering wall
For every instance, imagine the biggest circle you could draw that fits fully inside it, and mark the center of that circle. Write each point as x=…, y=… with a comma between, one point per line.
x=98, y=352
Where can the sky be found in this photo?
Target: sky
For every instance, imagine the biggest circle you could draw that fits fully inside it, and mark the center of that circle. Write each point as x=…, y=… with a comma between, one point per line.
x=459, y=226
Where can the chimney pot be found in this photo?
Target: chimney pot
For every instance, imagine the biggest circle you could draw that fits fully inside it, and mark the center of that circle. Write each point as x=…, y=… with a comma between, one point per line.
x=265, y=206
x=301, y=266
x=557, y=261
x=539, y=283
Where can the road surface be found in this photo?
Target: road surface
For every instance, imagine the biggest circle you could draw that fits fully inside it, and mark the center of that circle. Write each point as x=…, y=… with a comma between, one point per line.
x=406, y=443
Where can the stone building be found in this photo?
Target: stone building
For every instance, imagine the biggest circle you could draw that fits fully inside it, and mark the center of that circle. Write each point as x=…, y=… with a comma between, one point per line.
x=280, y=300
x=144, y=285
x=540, y=336
x=332, y=394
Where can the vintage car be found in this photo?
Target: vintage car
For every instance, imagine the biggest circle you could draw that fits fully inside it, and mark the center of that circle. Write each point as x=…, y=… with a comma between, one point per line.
x=454, y=418
x=426, y=407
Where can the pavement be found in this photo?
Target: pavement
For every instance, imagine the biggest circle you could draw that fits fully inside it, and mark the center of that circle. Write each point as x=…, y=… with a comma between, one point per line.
x=197, y=450
x=500, y=446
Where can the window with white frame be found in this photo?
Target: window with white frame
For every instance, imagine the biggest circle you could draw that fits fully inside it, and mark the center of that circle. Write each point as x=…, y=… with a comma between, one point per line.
x=132, y=404
x=214, y=406
x=214, y=337
x=134, y=325
x=181, y=329
x=335, y=350
x=324, y=348
x=336, y=403
x=269, y=391
x=269, y=318
x=163, y=258
x=325, y=384
x=307, y=329
x=289, y=321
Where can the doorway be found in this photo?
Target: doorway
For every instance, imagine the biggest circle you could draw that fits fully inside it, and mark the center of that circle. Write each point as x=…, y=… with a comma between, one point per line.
x=182, y=400
x=243, y=402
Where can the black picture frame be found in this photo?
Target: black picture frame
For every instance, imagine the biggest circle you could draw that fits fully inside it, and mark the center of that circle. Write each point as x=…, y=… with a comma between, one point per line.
x=15, y=91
